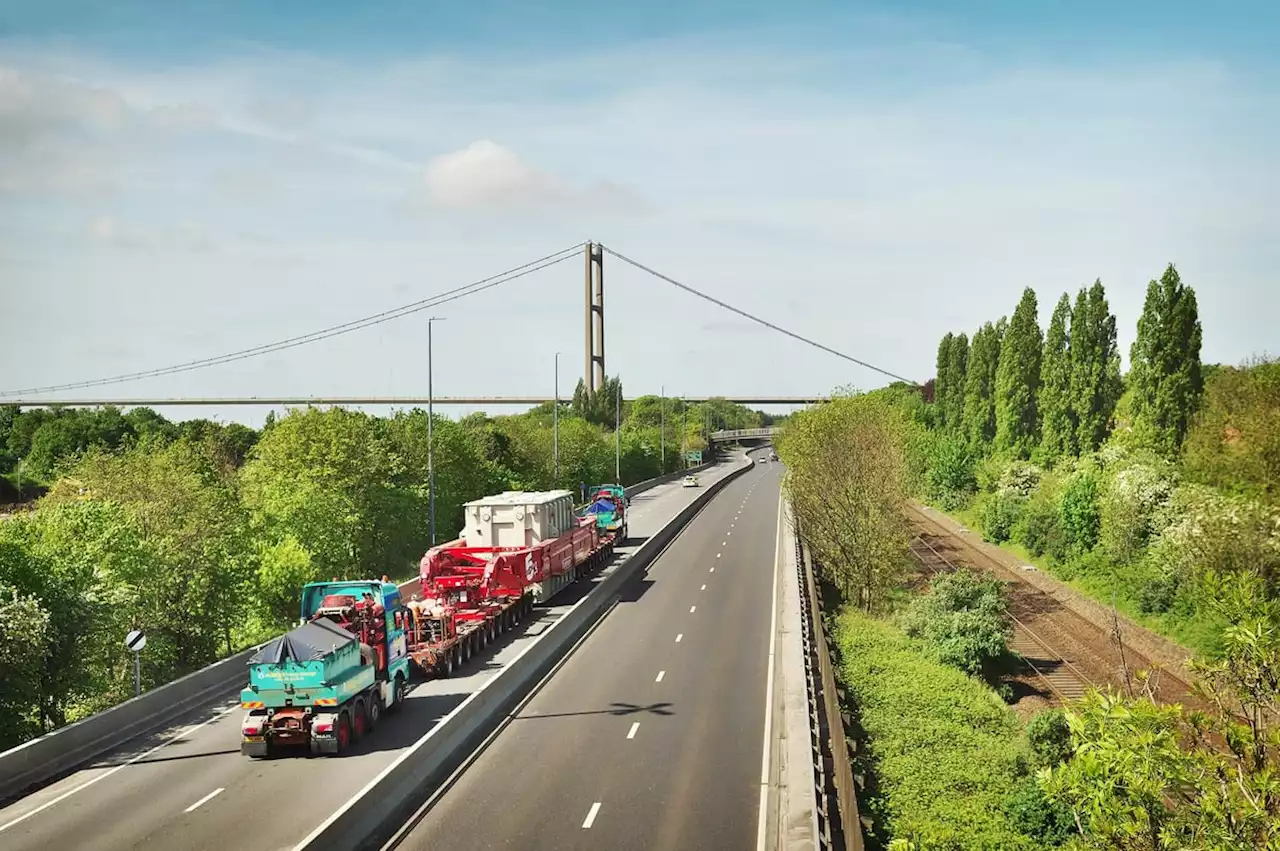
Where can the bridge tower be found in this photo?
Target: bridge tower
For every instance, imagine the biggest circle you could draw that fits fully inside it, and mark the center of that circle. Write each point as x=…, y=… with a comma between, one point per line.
x=593, y=378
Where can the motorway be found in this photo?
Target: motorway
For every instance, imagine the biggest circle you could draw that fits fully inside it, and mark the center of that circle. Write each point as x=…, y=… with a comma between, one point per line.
x=650, y=735
x=189, y=788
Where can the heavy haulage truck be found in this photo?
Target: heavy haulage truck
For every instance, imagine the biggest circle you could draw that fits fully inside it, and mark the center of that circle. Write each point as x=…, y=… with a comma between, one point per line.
x=325, y=684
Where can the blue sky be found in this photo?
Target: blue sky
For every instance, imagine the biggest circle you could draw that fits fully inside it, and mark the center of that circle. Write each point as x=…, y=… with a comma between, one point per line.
x=177, y=184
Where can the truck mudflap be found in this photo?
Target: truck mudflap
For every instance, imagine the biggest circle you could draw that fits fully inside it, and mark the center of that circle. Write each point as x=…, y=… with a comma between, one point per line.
x=324, y=745
x=254, y=746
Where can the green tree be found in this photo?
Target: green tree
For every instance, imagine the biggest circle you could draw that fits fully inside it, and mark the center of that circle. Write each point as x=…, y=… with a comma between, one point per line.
x=957, y=363
x=1057, y=416
x=847, y=484
x=942, y=386
x=1234, y=441
x=1018, y=380
x=1095, y=367
x=1165, y=363
x=24, y=642
x=980, y=386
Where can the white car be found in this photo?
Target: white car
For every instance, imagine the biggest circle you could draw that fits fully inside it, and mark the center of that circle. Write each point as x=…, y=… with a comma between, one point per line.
x=690, y=482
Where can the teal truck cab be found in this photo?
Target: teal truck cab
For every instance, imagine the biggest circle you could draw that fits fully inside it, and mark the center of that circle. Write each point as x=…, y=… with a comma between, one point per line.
x=609, y=507
x=326, y=683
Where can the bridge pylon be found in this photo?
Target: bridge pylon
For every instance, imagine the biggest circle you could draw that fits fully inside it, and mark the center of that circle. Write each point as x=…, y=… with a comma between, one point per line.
x=593, y=375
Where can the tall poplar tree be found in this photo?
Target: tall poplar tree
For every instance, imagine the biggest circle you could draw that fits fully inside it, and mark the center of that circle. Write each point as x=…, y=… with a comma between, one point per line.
x=1095, y=367
x=942, y=378
x=1057, y=421
x=980, y=387
x=1018, y=380
x=1165, y=358
x=957, y=363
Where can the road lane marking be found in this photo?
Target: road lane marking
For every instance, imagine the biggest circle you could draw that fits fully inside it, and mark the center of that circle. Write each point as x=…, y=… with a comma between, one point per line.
x=679, y=638
x=704, y=588
x=718, y=555
x=631, y=734
x=713, y=570
x=661, y=674
x=183, y=732
x=693, y=609
x=762, y=829
x=205, y=799
x=591, y=816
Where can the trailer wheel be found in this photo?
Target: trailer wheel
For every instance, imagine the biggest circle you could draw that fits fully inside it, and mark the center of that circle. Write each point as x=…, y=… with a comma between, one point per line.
x=359, y=721
x=446, y=664
x=458, y=661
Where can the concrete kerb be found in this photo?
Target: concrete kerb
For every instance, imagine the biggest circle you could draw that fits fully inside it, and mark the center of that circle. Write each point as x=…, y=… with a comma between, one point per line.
x=41, y=760
x=379, y=809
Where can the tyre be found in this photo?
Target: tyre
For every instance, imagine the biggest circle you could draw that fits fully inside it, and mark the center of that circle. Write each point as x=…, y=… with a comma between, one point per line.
x=343, y=732
x=398, y=694
x=359, y=720
x=375, y=712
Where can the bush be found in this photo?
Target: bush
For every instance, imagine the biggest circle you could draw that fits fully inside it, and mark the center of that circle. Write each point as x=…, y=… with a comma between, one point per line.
x=999, y=514
x=1131, y=501
x=1030, y=811
x=1049, y=737
x=1081, y=512
x=944, y=750
x=1039, y=528
x=951, y=473
x=963, y=620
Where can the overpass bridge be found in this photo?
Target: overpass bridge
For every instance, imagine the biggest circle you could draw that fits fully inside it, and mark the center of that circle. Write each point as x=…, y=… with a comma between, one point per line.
x=744, y=434
x=392, y=401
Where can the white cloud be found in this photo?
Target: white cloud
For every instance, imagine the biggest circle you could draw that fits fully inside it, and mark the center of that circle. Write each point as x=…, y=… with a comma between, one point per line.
x=185, y=236
x=486, y=175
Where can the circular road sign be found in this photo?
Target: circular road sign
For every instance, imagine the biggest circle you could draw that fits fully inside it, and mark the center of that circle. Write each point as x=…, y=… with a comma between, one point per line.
x=135, y=640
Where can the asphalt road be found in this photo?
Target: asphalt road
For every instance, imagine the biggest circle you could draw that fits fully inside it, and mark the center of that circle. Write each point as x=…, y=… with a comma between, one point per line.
x=189, y=788
x=650, y=734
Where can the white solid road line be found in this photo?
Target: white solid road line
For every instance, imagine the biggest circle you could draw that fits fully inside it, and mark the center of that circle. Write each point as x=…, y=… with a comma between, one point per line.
x=631, y=734
x=591, y=816
x=183, y=732
x=661, y=674
x=205, y=799
x=679, y=638
x=762, y=826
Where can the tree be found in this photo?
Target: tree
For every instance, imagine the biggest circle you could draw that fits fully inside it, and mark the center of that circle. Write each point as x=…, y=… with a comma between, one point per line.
x=24, y=641
x=1018, y=380
x=847, y=484
x=1165, y=363
x=1095, y=367
x=1234, y=440
x=942, y=388
x=979, y=425
x=1057, y=416
x=957, y=362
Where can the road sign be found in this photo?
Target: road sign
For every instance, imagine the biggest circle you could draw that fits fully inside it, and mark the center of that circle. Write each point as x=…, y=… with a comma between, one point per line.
x=694, y=457
x=135, y=640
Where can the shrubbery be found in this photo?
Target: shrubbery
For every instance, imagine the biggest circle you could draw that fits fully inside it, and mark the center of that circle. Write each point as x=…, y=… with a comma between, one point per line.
x=963, y=620
x=945, y=751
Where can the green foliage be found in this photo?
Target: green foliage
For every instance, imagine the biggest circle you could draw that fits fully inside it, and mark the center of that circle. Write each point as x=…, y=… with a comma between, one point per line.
x=943, y=748
x=1057, y=414
x=979, y=426
x=950, y=471
x=24, y=640
x=1000, y=513
x=1095, y=385
x=1165, y=359
x=847, y=485
x=1018, y=381
x=1234, y=441
x=963, y=619
x=1029, y=810
x=957, y=363
x=943, y=386
x=1049, y=735
x=1081, y=511
x=1039, y=527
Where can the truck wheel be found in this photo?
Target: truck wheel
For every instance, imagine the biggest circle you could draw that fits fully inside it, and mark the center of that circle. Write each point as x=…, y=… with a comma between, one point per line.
x=375, y=712
x=446, y=665
x=397, y=694
x=343, y=733
x=359, y=721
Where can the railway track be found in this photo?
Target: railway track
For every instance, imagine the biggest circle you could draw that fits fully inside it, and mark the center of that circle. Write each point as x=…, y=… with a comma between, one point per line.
x=1063, y=679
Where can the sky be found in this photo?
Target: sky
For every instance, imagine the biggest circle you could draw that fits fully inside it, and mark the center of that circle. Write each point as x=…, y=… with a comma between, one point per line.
x=178, y=181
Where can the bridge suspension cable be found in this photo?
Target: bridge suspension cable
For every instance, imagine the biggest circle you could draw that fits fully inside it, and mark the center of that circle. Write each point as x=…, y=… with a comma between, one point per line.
x=766, y=323
x=324, y=333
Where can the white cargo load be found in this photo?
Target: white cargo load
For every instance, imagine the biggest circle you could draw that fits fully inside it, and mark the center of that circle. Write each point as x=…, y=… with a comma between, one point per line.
x=517, y=518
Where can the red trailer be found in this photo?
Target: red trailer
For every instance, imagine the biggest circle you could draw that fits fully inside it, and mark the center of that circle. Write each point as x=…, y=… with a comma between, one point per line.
x=517, y=549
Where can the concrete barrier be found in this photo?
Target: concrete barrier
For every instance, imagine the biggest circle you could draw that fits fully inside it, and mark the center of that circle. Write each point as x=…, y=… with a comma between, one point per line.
x=41, y=760
x=387, y=801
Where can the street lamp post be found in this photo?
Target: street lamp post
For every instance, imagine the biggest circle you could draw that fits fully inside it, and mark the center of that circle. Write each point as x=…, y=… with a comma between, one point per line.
x=431, y=465
x=555, y=424
x=684, y=433
x=617, y=435
x=662, y=427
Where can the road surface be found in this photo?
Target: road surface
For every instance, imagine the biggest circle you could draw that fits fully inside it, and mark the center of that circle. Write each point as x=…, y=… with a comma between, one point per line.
x=649, y=737
x=189, y=789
